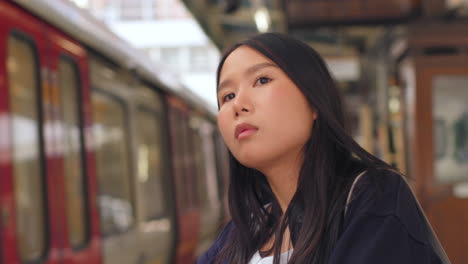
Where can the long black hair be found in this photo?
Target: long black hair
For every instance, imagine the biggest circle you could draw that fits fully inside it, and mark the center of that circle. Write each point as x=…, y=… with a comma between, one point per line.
x=332, y=159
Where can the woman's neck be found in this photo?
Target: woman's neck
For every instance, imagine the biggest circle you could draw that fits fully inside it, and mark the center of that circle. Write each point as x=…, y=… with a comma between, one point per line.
x=282, y=178
x=286, y=244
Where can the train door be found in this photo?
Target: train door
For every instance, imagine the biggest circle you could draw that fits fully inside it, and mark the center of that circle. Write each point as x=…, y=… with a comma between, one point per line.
x=153, y=181
x=210, y=203
x=111, y=106
x=68, y=65
x=188, y=213
x=436, y=96
x=30, y=223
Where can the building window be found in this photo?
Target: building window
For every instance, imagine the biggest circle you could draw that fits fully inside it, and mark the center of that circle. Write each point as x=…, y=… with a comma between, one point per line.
x=199, y=59
x=164, y=9
x=171, y=56
x=132, y=9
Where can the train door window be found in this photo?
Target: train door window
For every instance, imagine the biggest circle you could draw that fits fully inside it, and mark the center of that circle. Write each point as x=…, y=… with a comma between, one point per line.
x=200, y=166
x=210, y=183
x=151, y=163
x=450, y=126
x=28, y=170
x=112, y=164
x=190, y=165
x=222, y=164
x=72, y=152
x=180, y=157
x=198, y=162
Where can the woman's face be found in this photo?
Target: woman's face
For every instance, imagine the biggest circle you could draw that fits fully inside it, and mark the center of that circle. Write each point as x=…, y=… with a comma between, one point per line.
x=263, y=117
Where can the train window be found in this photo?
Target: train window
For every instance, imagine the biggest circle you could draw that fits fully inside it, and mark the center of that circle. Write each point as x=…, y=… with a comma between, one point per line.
x=450, y=127
x=191, y=171
x=112, y=164
x=151, y=163
x=200, y=59
x=28, y=172
x=200, y=164
x=180, y=164
x=222, y=164
x=72, y=153
x=208, y=180
x=185, y=159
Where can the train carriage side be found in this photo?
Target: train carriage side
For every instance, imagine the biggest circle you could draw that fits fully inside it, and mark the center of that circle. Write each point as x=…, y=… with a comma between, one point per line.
x=211, y=205
x=132, y=168
x=199, y=207
x=26, y=175
x=44, y=169
x=75, y=167
x=48, y=185
x=100, y=164
x=154, y=178
x=188, y=214
x=222, y=169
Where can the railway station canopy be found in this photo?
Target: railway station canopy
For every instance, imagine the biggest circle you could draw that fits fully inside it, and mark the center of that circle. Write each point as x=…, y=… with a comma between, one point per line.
x=350, y=24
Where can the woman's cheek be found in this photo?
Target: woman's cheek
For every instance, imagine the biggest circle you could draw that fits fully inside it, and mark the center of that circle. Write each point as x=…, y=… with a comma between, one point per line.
x=224, y=127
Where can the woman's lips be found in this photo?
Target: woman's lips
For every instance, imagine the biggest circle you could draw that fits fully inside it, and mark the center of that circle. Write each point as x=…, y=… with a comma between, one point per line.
x=246, y=133
x=244, y=130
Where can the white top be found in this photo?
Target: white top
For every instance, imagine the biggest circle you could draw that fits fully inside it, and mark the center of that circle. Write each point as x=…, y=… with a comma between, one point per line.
x=257, y=259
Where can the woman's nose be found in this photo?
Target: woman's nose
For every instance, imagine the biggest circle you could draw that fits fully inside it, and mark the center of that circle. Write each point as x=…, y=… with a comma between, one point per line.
x=242, y=104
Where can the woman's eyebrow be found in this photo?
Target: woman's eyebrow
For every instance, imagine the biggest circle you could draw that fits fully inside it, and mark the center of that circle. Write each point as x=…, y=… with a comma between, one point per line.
x=223, y=85
x=256, y=67
x=251, y=70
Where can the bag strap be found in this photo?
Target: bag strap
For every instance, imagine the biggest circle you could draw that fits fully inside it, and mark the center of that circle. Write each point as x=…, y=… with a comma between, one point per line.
x=350, y=194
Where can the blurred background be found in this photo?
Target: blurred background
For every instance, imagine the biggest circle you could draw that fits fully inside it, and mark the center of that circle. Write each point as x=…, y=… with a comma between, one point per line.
x=109, y=151
x=167, y=32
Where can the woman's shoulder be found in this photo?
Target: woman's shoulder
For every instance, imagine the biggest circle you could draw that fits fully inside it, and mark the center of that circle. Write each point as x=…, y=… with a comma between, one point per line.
x=386, y=193
x=213, y=251
x=383, y=216
x=379, y=191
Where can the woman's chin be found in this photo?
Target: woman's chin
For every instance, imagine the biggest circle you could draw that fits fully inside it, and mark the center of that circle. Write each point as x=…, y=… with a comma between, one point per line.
x=252, y=161
x=247, y=160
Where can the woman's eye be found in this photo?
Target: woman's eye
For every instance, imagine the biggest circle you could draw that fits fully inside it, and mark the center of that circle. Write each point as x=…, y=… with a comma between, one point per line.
x=262, y=80
x=228, y=97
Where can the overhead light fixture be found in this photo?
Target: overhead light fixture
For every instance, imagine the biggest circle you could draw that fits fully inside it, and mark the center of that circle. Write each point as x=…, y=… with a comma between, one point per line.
x=262, y=19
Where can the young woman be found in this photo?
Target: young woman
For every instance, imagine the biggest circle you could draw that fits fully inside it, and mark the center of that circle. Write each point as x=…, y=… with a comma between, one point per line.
x=301, y=189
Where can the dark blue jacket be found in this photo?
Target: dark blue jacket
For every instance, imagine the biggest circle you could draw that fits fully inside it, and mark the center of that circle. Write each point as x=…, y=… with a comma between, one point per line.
x=384, y=224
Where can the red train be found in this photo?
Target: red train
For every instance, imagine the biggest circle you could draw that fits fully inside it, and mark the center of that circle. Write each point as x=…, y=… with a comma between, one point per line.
x=104, y=158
